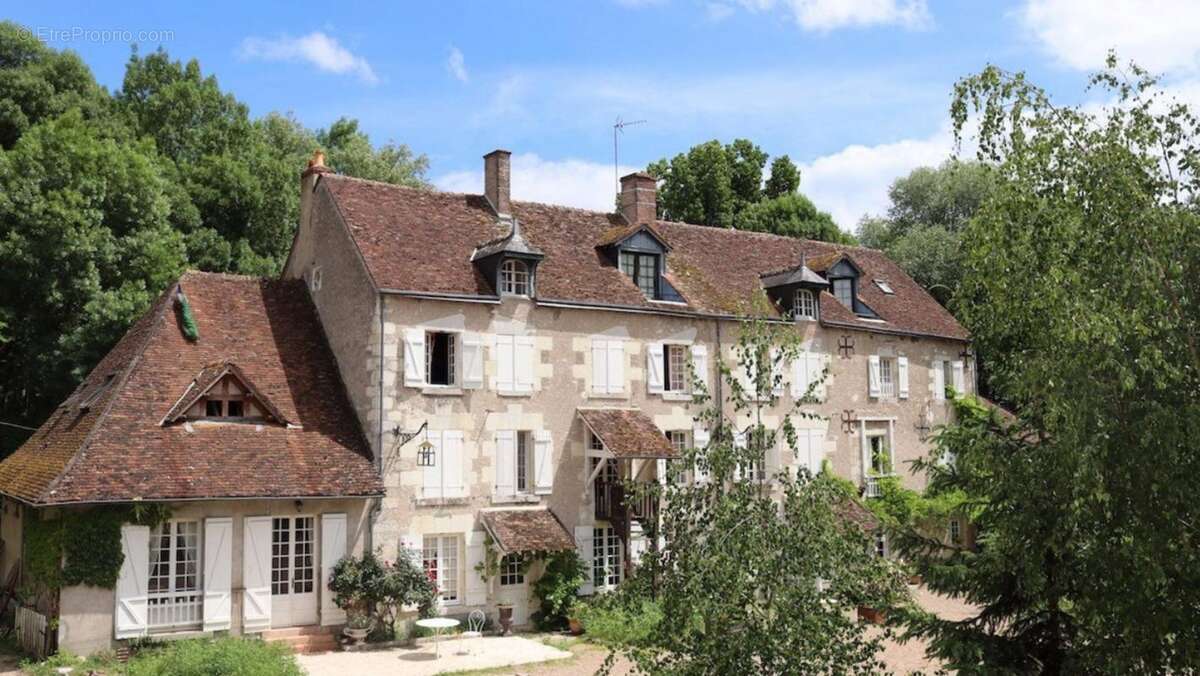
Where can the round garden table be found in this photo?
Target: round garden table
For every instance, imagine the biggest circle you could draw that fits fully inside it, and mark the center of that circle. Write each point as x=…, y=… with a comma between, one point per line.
x=437, y=624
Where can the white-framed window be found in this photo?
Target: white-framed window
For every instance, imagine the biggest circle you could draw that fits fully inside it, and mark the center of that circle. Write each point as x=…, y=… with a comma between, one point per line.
x=643, y=270
x=594, y=442
x=512, y=570
x=750, y=468
x=955, y=532
x=440, y=348
x=879, y=450
x=606, y=558
x=523, y=461
x=881, y=544
x=887, y=376
x=439, y=556
x=515, y=278
x=679, y=440
x=675, y=368
x=805, y=305
x=843, y=290
x=173, y=585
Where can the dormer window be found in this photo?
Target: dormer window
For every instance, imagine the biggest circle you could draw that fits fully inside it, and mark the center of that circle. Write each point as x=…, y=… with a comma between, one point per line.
x=515, y=279
x=805, y=304
x=643, y=270
x=222, y=393
x=225, y=400
x=843, y=290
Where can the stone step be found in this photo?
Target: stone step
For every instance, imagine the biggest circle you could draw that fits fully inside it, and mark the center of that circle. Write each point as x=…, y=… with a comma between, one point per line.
x=307, y=630
x=305, y=640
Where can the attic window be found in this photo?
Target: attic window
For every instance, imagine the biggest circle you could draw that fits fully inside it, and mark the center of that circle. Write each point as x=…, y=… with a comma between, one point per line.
x=805, y=304
x=514, y=278
x=843, y=290
x=884, y=286
x=226, y=400
x=643, y=270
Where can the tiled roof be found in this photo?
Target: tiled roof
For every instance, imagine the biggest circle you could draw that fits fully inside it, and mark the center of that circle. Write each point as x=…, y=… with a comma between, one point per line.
x=627, y=433
x=419, y=240
x=117, y=450
x=856, y=514
x=527, y=530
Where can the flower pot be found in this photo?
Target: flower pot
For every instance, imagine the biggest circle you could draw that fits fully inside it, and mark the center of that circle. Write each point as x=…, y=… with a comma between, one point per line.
x=872, y=615
x=356, y=635
x=575, y=626
x=506, y=612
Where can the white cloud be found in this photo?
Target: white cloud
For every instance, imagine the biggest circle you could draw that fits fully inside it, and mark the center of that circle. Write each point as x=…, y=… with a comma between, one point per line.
x=718, y=11
x=827, y=15
x=1158, y=34
x=316, y=48
x=570, y=182
x=854, y=181
x=456, y=64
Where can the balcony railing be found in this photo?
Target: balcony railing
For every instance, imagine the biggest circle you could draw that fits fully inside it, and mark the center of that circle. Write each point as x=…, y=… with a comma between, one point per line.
x=872, y=488
x=175, y=611
x=612, y=500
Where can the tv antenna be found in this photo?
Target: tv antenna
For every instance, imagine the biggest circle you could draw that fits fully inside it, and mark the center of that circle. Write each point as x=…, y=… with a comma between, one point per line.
x=619, y=127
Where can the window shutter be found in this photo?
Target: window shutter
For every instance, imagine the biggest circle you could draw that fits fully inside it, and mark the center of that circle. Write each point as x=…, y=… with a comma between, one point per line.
x=700, y=364
x=431, y=477
x=816, y=368
x=472, y=361
x=506, y=454
x=543, y=462
x=218, y=573
x=256, y=574
x=960, y=381
x=873, y=376
x=453, y=485
x=816, y=451
x=700, y=439
x=506, y=363
x=902, y=372
x=939, y=380
x=524, y=363
x=132, y=582
x=616, y=366
x=660, y=471
x=414, y=357
x=477, y=587
x=800, y=375
x=583, y=542
x=333, y=549
x=654, y=367
x=739, y=442
x=777, y=374
x=599, y=366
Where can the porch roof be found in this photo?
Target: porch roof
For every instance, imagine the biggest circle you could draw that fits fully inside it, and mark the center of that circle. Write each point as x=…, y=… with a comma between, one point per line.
x=534, y=529
x=627, y=433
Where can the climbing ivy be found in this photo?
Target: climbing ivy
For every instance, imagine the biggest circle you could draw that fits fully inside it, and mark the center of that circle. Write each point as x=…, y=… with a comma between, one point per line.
x=84, y=547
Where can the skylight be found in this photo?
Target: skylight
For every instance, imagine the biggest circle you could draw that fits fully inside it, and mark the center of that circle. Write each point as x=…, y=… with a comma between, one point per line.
x=884, y=286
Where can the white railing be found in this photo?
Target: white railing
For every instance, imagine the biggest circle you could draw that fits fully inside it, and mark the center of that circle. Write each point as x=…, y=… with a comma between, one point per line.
x=872, y=488
x=31, y=631
x=175, y=611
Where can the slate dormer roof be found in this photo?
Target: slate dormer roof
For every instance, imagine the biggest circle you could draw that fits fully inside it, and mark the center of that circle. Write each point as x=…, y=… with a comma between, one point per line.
x=513, y=244
x=116, y=449
x=419, y=241
x=801, y=274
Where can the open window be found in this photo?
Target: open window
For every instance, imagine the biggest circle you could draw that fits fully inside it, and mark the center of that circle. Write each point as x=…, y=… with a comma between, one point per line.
x=440, y=350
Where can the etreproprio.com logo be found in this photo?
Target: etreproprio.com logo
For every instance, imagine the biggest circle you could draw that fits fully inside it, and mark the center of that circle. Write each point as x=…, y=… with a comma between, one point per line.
x=101, y=35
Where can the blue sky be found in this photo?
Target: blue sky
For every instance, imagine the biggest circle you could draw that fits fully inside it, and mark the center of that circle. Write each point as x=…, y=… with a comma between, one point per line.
x=855, y=91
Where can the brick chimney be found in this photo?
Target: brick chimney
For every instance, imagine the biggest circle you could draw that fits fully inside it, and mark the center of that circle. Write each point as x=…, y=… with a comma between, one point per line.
x=496, y=180
x=639, y=198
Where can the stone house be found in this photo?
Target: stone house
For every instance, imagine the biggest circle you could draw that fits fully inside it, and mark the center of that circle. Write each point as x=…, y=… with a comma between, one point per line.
x=437, y=374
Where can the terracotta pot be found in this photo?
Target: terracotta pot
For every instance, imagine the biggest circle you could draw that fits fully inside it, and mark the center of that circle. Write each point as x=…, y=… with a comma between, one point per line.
x=872, y=615
x=575, y=625
x=506, y=612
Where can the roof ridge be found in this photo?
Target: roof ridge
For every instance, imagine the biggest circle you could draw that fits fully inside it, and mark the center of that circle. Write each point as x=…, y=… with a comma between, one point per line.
x=152, y=326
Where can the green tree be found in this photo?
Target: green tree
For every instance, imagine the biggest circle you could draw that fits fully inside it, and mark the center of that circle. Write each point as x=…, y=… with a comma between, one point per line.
x=784, y=178
x=1080, y=282
x=757, y=575
x=793, y=215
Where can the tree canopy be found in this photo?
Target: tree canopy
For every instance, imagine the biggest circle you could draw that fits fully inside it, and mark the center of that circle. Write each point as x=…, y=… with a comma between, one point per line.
x=1079, y=283
x=104, y=199
x=722, y=185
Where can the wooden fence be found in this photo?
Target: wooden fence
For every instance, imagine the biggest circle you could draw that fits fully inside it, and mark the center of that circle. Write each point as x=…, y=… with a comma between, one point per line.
x=31, y=632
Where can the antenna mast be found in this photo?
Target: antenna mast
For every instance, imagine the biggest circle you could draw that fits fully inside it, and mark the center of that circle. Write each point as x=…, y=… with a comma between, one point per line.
x=619, y=127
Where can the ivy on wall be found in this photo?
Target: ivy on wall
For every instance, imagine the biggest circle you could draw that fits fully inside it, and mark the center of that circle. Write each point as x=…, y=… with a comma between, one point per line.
x=83, y=547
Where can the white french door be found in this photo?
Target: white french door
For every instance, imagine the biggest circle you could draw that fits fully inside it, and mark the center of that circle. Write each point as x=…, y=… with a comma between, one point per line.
x=293, y=571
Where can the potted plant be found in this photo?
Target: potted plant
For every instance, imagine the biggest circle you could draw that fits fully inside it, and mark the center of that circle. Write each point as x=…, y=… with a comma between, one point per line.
x=357, y=627
x=573, y=622
x=506, y=618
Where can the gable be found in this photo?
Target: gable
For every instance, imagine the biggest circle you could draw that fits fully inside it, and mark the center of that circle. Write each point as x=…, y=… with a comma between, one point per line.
x=217, y=387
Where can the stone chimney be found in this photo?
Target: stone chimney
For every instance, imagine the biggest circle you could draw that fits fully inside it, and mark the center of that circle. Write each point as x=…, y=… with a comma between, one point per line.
x=639, y=198
x=308, y=183
x=496, y=180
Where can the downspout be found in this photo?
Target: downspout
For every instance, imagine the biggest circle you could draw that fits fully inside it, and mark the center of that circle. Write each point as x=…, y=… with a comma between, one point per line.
x=377, y=503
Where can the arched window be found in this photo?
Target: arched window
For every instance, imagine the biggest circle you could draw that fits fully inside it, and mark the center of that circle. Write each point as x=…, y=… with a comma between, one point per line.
x=514, y=278
x=806, y=304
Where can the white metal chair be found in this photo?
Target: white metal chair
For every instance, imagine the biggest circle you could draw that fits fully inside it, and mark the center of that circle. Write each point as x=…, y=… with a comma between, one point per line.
x=475, y=622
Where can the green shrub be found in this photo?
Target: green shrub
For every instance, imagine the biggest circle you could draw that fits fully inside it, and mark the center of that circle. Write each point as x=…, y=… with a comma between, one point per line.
x=613, y=620
x=216, y=657
x=362, y=583
x=557, y=588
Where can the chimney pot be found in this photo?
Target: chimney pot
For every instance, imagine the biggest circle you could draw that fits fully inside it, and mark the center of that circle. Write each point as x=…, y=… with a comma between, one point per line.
x=497, y=180
x=639, y=198
x=316, y=164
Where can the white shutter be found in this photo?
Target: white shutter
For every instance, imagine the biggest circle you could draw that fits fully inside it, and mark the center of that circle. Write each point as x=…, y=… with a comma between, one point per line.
x=960, y=381
x=660, y=471
x=431, y=476
x=800, y=377
x=453, y=485
x=333, y=549
x=472, y=361
x=700, y=439
x=506, y=363
x=616, y=366
x=777, y=375
x=599, y=366
x=816, y=369
x=700, y=363
x=218, y=573
x=902, y=372
x=414, y=357
x=816, y=451
x=654, y=367
x=939, y=380
x=256, y=574
x=739, y=442
x=130, y=616
x=506, y=462
x=583, y=542
x=477, y=587
x=873, y=376
x=543, y=463
x=523, y=363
